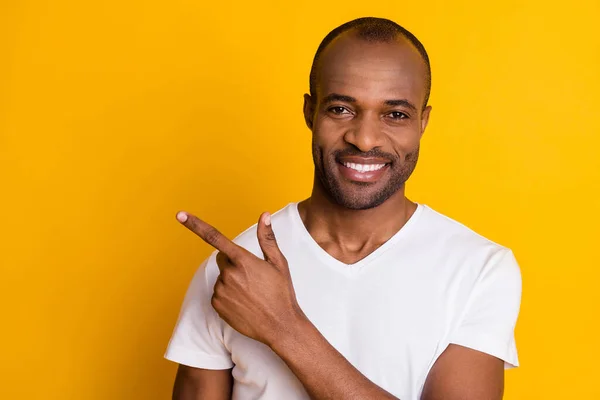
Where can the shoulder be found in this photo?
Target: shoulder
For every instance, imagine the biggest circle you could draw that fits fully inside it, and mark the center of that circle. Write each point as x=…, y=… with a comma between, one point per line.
x=470, y=248
x=440, y=228
x=446, y=227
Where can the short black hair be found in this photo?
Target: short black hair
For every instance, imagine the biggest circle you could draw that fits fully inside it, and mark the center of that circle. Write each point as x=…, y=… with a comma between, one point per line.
x=372, y=29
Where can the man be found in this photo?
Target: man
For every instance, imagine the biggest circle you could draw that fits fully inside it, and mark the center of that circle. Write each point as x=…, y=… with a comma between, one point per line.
x=356, y=292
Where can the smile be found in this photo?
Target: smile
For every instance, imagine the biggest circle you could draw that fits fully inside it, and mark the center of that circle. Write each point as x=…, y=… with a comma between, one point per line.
x=363, y=167
x=365, y=172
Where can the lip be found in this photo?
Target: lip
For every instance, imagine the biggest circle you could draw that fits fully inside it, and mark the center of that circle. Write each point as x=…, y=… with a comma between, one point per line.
x=363, y=160
x=363, y=177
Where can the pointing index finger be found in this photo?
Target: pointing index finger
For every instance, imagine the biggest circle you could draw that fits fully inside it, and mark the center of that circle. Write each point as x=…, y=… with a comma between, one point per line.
x=209, y=234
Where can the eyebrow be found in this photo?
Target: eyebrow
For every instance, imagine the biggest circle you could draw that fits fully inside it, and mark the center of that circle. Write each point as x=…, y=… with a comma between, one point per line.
x=330, y=98
x=401, y=102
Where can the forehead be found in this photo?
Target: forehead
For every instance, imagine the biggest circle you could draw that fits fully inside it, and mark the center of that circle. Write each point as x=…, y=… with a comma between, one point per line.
x=372, y=70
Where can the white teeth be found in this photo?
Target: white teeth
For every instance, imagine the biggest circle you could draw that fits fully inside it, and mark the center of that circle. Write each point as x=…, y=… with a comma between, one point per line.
x=364, y=167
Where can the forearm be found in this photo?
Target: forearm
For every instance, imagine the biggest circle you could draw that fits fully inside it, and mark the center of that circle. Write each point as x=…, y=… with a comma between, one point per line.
x=323, y=371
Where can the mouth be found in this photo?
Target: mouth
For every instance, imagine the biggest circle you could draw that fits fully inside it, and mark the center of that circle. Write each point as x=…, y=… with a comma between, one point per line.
x=363, y=170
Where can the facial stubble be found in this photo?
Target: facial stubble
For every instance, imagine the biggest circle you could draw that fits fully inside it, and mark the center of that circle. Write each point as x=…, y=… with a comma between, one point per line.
x=362, y=195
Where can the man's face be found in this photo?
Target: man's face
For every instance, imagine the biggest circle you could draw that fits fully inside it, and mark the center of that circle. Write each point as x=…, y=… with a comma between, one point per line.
x=367, y=119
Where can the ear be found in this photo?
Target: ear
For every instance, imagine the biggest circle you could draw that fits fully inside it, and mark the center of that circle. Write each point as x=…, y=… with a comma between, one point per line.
x=425, y=119
x=309, y=111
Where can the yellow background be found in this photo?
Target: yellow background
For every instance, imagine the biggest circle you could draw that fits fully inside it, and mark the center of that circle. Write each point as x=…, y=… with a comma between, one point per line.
x=114, y=115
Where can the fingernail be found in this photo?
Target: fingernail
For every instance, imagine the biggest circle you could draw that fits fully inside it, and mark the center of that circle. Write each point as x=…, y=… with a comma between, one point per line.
x=182, y=217
x=267, y=219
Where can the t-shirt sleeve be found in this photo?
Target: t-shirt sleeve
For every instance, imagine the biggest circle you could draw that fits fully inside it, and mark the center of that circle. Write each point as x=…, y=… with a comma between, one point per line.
x=491, y=312
x=197, y=339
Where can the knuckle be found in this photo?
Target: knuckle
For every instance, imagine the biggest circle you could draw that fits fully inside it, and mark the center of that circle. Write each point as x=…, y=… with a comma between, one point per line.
x=224, y=262
x=242, y=262
x=235, y=259
x=218, y=289
x=193, y=224
x=270, y=236
x=214, y=302
x=212, y=235
x=224, y=277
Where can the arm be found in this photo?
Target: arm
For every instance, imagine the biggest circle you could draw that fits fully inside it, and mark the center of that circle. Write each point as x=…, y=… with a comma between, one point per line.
x=458, y=374
x=256, y=297
x=323, y=371
x=196, y=344
x=464, y=374
x=202, y=384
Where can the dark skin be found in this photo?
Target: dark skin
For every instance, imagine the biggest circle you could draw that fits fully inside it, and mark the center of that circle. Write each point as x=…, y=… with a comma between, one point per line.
x=368, y=110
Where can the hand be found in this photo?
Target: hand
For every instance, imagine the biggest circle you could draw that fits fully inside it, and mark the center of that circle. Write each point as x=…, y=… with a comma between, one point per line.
x=254, y=296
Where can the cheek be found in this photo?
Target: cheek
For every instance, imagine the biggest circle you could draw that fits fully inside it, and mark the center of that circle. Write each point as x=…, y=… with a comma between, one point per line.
x=327, y=135
x=405, y=142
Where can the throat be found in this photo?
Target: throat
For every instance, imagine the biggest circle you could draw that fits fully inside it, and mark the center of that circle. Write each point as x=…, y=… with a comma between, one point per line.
x=348, y=255
x=350, y=236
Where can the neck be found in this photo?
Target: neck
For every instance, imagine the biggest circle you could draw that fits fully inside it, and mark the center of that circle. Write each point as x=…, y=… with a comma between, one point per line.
x=329, y=222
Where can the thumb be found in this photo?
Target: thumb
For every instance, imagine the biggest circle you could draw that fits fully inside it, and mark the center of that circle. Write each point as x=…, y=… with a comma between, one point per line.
x=267, y=240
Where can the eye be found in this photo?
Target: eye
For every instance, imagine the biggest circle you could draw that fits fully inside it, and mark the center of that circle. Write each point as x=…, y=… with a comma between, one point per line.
x=339, y=110
x=398, y=115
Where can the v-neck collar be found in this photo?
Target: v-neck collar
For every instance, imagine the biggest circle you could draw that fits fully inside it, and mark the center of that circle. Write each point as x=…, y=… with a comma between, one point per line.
x=349, y=269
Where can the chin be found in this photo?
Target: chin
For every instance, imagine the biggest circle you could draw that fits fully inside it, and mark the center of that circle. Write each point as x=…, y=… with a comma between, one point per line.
x=359, y=195
x=360, y=201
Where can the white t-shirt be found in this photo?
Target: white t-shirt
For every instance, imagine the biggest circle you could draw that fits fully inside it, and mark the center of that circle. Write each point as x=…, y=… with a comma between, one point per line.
x=391, y=314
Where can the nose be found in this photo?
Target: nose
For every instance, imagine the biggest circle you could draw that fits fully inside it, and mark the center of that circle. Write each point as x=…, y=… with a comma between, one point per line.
x=365, y=133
